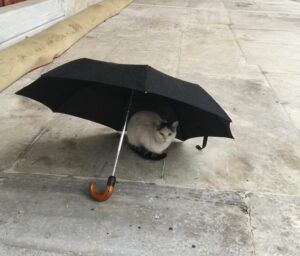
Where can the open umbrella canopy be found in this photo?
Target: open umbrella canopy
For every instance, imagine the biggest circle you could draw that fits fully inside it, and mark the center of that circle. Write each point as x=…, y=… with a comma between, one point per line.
x=100, y=91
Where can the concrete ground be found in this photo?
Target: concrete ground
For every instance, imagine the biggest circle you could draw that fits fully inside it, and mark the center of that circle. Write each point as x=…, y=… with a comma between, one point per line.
x=237, y=197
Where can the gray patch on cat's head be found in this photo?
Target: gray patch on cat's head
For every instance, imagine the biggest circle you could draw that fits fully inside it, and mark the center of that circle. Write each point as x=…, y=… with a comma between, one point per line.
x=171, y=126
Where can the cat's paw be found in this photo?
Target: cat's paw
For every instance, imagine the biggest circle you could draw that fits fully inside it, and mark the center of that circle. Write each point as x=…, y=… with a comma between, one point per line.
x=133, y=148
x=144, y=153
x=140, y=151
x=162, y=156
x=157, y=157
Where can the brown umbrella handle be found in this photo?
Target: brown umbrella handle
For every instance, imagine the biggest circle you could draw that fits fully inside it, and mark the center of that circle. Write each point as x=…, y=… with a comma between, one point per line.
x=109, y=189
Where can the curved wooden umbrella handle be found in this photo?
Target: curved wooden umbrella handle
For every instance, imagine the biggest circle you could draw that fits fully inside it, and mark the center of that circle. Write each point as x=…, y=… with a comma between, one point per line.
x=109, y=189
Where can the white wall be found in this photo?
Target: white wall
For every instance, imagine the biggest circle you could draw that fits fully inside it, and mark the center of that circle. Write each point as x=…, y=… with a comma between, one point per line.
x=24, y=19
x=74, y=6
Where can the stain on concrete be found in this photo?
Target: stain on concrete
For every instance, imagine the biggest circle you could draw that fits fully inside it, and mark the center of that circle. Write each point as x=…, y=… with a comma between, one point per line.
x=5, y=68
x=244, y=208
x=289, y=157
x=47, y=235
x=233, y=226
x=282, y=249
x=242, y=4
x=76, y=27
x=69, y=144
x=91, y=37
x=39, y=47
x=55, y=38
x=45, y=160
x=244, y=164
x=21, y=57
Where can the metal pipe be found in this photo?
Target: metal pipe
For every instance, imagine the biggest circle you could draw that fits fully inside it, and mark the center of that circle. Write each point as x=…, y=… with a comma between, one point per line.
x=109, y=189
x=122, y=135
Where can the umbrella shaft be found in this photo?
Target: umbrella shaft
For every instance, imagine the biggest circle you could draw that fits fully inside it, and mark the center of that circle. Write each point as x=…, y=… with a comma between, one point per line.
x=122, y=135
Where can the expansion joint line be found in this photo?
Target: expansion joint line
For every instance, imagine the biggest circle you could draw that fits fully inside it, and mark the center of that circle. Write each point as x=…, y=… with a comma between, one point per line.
x=33, y=141
x=246, y=199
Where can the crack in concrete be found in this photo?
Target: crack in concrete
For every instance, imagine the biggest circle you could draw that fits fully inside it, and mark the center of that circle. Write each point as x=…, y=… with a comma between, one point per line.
x=32, y=247
x=235, y=37
x=41, y=132
x=244, y=207
x=247, y=210
x=265, y=78
x=163, y=170
x=114, y=48
x=181, y=44
x=278, y=99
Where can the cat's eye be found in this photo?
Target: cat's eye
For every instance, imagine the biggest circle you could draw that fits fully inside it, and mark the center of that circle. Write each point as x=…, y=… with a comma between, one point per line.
x=170, y=134
x=161, y=134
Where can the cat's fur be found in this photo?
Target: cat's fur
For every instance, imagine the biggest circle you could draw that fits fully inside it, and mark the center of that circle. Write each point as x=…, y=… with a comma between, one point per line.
x=149, y=135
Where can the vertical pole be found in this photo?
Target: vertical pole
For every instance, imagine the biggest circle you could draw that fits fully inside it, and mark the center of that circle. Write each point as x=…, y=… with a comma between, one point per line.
x=122, y=135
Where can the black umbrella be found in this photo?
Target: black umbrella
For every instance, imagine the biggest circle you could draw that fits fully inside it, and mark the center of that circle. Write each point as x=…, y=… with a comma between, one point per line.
x=110, y=93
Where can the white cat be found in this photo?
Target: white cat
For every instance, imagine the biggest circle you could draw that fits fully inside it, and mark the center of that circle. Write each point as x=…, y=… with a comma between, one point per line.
x=149, y=135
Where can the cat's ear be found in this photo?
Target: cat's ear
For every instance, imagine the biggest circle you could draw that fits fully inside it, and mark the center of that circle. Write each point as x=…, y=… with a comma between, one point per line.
x=174, y=125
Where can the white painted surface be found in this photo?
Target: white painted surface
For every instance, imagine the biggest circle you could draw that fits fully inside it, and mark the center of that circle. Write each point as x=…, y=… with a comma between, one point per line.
x=27, y=18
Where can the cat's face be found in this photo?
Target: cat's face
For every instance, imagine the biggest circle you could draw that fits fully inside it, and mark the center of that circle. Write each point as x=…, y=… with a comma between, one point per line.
x=166, y=132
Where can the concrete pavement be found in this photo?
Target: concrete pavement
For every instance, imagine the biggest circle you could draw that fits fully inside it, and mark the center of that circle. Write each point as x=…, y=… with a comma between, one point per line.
x=237, y=197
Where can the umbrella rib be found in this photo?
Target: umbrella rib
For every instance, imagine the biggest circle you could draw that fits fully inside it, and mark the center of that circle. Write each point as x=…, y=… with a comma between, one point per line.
x=66, y=100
